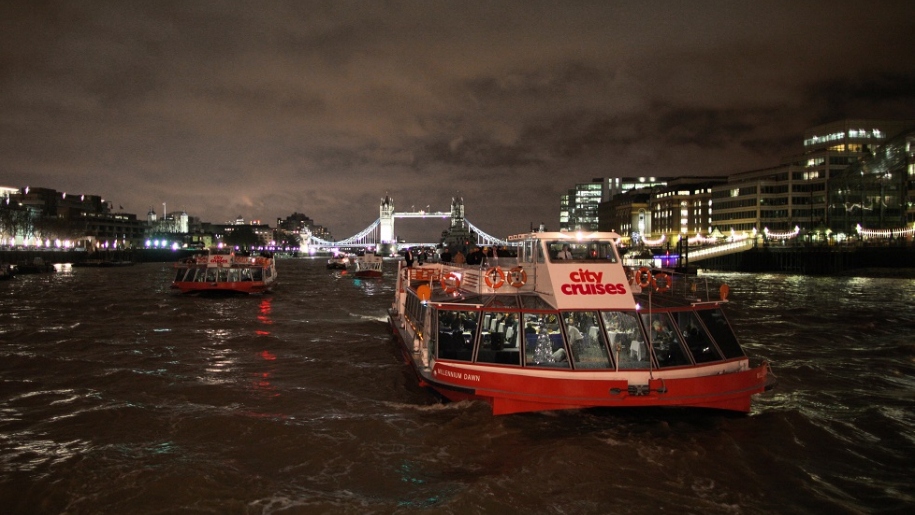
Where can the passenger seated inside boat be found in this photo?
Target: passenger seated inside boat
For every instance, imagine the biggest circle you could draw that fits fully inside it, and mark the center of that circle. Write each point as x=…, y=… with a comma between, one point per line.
x=667, y=348
x=545, y=346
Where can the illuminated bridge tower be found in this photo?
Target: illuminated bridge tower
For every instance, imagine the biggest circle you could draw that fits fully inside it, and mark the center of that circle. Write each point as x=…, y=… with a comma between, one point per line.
x=457, y=213
x=386, y=223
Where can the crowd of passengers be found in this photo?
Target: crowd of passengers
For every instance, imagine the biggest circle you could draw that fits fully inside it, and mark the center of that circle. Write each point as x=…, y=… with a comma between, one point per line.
x=575, y=338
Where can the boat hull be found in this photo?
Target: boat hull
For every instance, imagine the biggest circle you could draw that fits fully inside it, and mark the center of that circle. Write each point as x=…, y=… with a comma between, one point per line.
x=517, y=390
x=368, y=274
x=246, y=287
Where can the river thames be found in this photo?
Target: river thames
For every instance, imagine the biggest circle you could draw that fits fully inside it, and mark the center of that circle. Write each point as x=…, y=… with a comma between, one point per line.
x=119, y=396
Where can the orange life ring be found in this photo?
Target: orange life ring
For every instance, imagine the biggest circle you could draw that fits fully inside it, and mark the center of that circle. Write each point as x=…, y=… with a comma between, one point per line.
x=450, y=283
x=517, y=277
x=643, y=273
x=495, y=278
x=665, y=279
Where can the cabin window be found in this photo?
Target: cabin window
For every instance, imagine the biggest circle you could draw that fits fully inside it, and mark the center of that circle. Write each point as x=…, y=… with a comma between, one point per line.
x=257, y=274
x=628, y=344
x=717, y=324
x=664, y=340
x=586, y=340
x=543, y=342
x=415, y=311
x=529, y=252
x=245, y=274
x=499, y=339
x=698, y=342
x=456, y=333
x=211, y=275
x=233, y=275
x=584, y=251
x=223, y=275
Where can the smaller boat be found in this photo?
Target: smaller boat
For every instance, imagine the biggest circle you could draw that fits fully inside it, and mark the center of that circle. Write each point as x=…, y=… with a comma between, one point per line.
x=338, y=262
x=368, y=265
x=224, y=271
x=36, y=266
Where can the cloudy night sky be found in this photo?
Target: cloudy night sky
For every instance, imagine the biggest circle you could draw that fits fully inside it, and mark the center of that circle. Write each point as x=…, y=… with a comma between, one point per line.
x=266, y=108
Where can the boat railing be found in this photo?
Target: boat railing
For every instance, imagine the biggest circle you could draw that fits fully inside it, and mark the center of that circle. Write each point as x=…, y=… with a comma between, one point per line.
x=697, y=289
x=499, y=275
x=487, y=278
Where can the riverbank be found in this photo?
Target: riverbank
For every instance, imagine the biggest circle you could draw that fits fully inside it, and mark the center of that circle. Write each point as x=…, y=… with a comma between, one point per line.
x=76, y=257
x=831, y=260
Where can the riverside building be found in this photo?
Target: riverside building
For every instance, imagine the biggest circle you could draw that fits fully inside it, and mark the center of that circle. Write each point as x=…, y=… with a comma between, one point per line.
x=795, y=195
x=851, y=173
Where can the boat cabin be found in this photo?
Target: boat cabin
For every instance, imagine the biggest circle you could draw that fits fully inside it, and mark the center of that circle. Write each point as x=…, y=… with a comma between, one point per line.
x=565, y=303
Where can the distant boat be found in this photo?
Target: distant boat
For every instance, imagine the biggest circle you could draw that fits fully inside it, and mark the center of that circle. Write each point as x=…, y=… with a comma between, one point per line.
x=368, y=265
x=338, y=262
x=224, y=271
x=36, y=266
x=539, y=333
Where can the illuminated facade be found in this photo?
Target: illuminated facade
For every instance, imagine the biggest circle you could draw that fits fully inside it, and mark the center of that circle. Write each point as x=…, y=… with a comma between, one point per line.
x=627, y=214
x=878, y=190
x=684, y=208
x=798, y=193
x=578, y=208
x=614, y=186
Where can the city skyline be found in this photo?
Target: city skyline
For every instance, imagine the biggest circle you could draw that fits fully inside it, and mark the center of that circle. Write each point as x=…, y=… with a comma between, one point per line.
x=323, y=108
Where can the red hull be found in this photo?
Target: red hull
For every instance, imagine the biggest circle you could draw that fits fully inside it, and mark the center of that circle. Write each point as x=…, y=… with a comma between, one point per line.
x=368, y=274
x=514, y=390
x=247, y=287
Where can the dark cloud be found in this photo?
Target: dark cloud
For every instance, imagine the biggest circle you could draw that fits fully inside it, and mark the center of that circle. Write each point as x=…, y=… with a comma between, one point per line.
x=870, y=94
x=264, y=109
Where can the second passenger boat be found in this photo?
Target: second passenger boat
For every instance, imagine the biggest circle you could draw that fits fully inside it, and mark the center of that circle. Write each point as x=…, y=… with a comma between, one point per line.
x=225, y=271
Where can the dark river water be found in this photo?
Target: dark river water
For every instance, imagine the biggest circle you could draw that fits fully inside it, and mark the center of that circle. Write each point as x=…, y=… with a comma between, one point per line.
x=119, y=396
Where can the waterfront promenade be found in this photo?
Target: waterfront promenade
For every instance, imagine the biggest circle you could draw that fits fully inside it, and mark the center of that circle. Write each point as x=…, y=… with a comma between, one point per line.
x=815, y=260
x=80, y=256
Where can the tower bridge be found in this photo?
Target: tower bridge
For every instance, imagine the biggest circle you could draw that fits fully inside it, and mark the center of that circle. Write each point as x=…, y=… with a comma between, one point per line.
x=380, y=233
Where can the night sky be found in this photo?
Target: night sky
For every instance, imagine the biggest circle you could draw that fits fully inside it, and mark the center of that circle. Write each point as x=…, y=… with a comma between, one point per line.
x=265, y=108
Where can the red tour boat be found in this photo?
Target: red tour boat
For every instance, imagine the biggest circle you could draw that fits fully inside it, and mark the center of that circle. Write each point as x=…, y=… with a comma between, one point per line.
x=368, y=265
x=225, y=271
x=536, y=333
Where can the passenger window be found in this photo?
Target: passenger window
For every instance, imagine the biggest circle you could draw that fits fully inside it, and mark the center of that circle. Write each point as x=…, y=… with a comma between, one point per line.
x=664, y=340
x=543, y=342
x=499, y=339
x=721, y=332
x=697, y=340
x=456, y=333
x=586, y=340
x=628, y=344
